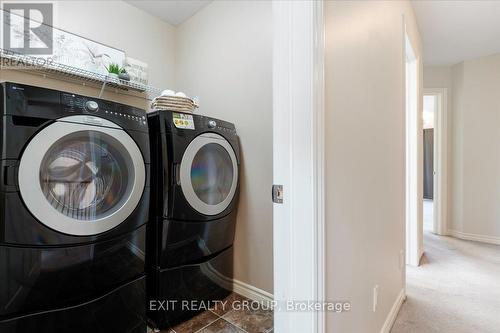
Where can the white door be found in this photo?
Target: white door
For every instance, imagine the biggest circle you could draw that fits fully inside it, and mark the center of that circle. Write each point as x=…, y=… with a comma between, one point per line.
x=209, y=174
x=81, y=179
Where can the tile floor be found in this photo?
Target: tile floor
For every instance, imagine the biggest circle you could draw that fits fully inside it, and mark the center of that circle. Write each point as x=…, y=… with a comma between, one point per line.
x=228, y=319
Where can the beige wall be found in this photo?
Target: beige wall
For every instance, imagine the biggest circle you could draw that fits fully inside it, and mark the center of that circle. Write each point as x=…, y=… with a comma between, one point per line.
x=440, y=77
x=437, y=77
x=456, y=165
x=224, y=57
x=476, y=153
x=139, y=34
x=365, y=157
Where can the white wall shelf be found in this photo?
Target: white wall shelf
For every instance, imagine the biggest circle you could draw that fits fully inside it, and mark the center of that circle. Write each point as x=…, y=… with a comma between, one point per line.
x=76, y=75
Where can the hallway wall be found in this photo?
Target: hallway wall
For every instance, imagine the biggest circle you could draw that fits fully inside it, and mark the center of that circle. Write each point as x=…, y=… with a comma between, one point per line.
x=365, y=157
x=476, y=157
x=474, y=131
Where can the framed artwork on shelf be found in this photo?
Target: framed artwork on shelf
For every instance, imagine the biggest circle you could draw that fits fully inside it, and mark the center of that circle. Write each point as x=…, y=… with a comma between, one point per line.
x=67, y=49
x=75, y=51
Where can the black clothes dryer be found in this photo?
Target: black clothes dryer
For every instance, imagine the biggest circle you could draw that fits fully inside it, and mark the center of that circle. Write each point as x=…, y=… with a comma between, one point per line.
x=74, y=202
x=194, y=196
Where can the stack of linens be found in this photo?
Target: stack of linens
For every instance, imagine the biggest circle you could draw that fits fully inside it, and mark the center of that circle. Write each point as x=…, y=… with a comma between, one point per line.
x=171, y=101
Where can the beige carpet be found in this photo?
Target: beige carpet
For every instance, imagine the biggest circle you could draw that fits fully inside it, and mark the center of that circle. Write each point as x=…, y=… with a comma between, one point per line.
x=456, y=289
x=428, y=215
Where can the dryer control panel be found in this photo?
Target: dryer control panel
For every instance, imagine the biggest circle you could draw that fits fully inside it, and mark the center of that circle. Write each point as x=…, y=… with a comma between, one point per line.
x=190, y=124
x=221, y=126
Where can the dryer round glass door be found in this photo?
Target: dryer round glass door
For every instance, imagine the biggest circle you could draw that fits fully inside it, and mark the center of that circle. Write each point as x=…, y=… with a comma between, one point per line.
x=209, y=174
x=81, y=179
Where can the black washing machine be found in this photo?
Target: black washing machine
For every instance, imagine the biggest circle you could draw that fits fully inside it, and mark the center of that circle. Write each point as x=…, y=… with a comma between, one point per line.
x=194, y=197
x=74, y=202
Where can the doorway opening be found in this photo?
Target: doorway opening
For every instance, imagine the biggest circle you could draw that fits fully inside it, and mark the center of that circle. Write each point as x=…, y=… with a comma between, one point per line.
x=430, y=105
x=434, y=162
x=428, y=116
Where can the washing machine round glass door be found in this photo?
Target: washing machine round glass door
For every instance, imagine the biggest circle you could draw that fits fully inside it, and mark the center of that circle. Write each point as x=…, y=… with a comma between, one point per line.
x=209, y=174
x=81, y=179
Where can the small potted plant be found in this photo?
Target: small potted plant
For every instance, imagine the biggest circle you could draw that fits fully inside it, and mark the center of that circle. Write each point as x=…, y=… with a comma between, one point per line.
x=113, y=70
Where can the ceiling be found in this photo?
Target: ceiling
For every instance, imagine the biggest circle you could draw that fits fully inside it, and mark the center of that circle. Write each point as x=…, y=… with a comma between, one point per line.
x=171, y=11
x=453, y=31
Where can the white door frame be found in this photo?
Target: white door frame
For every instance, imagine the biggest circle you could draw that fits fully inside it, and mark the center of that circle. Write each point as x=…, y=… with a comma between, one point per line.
x=298, y=163
x=440, y=159
x=413, y=127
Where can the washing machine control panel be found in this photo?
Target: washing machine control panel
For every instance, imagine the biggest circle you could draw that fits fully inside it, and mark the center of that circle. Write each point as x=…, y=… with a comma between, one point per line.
x=220, y=126
x=91, y=106
x=119, y=113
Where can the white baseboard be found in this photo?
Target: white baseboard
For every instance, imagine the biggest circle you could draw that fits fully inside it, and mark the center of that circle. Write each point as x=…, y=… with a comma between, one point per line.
x=242, y=288
x=391, y=318
x=475, y=237
x=252, y=292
